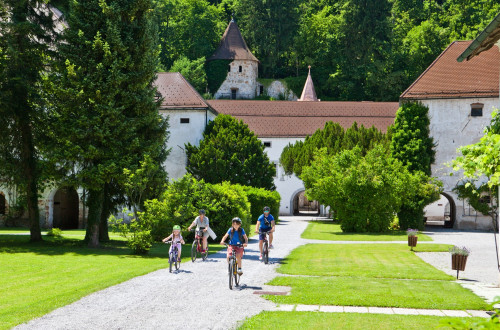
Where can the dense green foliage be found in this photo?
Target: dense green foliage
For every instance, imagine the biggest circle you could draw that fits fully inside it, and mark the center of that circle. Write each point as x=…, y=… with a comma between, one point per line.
x=26, y=31
x=183, y=198
x=260, y=197
x=231, y=152
x=104, y=116
x=334, y=138
x=364, y=192
x=193, y=71
x=216, y=74
x=412, y=145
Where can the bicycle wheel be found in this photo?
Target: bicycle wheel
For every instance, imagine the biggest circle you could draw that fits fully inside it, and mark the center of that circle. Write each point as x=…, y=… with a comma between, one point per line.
x=230, y=274
x=193, y=250
x=236, y=275
x=170, y=261
x=177, y=263
x=265, y=252
x=205, y=255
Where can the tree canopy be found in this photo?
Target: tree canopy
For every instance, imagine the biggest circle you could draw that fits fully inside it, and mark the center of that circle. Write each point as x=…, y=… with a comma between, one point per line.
x=230, y=152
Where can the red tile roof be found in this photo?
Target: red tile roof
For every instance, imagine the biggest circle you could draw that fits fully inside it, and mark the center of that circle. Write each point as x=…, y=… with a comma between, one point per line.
x=177, y=92
x=447, y=78
x=232, y=46
x=299, y=119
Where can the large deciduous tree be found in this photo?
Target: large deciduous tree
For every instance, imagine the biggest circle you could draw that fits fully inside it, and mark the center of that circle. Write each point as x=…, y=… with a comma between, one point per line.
x=104, y=116
x=26, y=33
x=231, y=152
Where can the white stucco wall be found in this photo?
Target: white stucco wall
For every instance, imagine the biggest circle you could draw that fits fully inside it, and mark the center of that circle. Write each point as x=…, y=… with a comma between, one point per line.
x=245, y=81
x=452, y=126
x=181, y=134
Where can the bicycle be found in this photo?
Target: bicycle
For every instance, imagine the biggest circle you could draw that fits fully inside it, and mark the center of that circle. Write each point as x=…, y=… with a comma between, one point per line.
x=173, y=257
x=197, y=247
x=265, y=246
x=233, y=267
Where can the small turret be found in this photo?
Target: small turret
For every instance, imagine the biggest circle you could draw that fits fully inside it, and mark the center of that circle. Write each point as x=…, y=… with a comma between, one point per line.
x=308, y=93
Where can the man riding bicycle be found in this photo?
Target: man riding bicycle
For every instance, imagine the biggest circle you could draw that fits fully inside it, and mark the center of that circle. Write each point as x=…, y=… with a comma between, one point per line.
x=265, y=223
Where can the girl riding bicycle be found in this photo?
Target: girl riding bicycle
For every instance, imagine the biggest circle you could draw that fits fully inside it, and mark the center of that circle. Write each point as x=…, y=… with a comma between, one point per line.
x=236, y=238
x=177, y=240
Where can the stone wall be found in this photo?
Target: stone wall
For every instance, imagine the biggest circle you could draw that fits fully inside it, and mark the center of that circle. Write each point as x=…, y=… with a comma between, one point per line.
x=244, y=82
x=278, y=90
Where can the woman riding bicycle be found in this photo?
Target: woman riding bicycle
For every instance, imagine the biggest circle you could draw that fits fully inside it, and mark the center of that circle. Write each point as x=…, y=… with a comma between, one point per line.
x=201, y=223
x=236, y=238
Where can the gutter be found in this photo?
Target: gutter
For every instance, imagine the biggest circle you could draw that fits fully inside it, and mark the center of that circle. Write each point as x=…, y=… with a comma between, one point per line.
x=479, y=39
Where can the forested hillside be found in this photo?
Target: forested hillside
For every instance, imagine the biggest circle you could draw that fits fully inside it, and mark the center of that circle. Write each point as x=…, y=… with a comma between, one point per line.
x=358, y=49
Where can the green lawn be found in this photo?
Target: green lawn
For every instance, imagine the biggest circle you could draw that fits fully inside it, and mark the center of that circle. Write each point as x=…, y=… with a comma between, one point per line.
x=65, y=233
x=40, y=277
x=363, y=260
x=328, y=230
x=355, y=291
x=351, y=321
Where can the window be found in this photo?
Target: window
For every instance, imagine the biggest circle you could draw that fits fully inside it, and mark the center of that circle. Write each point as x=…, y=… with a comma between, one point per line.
x=233, y=94
x=184, y=120
x=276, y=170
x=229, y=68
x=261, y=89
x=267, y=144
x=241, y=68
x=476, y=110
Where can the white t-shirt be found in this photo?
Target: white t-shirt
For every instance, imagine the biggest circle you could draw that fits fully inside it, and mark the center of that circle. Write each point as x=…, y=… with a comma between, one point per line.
x=200, y=223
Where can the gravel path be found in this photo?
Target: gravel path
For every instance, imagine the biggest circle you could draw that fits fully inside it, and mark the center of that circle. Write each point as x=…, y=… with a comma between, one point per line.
x=197, y=296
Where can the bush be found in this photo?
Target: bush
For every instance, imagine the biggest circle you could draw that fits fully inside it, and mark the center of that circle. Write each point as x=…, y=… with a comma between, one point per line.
x=260, y=197
x=183, y=198
x=137, y=232
x=55, y=232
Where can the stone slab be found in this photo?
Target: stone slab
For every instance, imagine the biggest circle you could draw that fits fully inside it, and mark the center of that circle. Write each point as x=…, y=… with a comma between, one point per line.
x=307, y=308
x=456, y=313
x=355, y=309
x=331, y=309
x=380, y=310
x=405, y=311
x=476, y=313
x=435, y=312
x=284, y=308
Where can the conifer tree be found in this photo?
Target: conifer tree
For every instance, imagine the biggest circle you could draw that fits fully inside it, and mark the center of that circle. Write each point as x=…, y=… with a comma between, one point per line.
x=105, y=116
x=231, y=152
x=26, y=32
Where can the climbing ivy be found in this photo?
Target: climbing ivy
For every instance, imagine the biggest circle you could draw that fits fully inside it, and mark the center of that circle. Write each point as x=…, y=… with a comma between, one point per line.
x=216, y=74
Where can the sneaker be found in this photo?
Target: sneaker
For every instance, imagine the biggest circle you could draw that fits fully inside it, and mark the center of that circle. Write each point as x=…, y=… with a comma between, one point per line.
x=260, y=257
x=240, y=272
x=271, y=246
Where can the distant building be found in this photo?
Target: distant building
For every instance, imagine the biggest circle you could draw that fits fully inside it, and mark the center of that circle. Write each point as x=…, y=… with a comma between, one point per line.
x=461, y=98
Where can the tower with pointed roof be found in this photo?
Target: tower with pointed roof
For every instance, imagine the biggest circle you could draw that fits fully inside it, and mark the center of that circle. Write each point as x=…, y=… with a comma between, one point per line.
x=308, y=93
x=241, y=79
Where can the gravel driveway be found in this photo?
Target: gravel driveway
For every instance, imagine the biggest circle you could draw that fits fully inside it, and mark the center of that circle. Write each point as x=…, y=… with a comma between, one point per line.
x=197, y=296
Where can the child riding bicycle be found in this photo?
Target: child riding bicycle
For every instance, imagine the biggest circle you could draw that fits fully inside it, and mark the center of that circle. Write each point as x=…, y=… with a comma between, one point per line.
x=177, y=240
x=236, y=238
x=265, y=223
x=201, y=223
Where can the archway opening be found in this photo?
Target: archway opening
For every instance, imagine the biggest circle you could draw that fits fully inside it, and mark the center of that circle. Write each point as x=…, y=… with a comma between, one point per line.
x=442, y=212
x=66, y=204
x=303, y=206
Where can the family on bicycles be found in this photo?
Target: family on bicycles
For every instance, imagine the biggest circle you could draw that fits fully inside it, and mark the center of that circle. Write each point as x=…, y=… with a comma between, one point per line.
x=238, y=239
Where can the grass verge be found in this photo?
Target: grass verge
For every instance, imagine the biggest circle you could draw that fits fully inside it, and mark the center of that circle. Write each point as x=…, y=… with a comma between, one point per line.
x=354, y=321
x=363, y=260
x=328, y=230
x=40, y=277
x=354, y=291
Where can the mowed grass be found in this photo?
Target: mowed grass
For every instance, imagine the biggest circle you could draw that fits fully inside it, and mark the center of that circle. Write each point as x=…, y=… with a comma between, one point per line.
x=328, y=230
x=65, y=233
x=355, y=291
x=363, y=260
x=40, y=277
x=352, y=321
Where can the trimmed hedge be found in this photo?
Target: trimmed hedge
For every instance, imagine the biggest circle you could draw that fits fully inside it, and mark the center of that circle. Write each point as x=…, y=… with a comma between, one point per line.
x=260, y=197
x=183, y=198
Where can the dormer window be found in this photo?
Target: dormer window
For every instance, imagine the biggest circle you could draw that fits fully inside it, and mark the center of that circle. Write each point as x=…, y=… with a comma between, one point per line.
x=476, y=110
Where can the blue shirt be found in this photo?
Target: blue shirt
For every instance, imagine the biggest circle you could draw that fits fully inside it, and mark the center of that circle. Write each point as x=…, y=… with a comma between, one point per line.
x=263, y=219
x=236, y=237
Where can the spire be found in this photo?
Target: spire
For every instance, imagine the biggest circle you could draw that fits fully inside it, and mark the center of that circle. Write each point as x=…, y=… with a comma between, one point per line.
x=232, y=46
x=308, y=93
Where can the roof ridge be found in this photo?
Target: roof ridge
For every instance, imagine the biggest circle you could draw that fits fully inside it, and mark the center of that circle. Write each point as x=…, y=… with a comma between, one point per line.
x=428, y=68
x=193, y=89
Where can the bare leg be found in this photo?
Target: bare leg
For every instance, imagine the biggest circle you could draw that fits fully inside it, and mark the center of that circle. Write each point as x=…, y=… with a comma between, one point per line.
x=205, y=242
x=238, y=260
x=270, y=238
x=261, y=242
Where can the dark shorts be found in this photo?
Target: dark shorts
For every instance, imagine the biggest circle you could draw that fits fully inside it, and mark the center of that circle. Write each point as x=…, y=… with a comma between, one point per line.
x=263, y=235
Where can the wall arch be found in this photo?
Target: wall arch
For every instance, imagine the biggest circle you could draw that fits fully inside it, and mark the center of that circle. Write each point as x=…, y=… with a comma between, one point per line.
x=300, y=206
x=65, y=208
x=452, y=216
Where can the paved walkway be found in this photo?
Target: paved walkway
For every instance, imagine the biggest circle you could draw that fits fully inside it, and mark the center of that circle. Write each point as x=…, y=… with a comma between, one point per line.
x=198, y=295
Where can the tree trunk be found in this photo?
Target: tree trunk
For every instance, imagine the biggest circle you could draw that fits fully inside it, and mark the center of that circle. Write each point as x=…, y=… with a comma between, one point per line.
x=30, y=174
x=95, y=202
x=103, y=224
